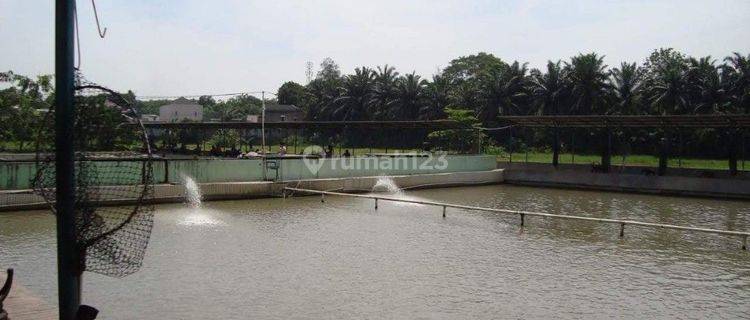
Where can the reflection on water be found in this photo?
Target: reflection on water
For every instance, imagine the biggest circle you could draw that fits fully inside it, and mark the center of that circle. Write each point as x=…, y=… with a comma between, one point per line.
x=299, y=258
x=200, y=216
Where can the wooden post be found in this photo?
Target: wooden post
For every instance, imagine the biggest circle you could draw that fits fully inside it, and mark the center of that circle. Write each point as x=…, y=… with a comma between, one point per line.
x=556, y=147
x=523, y=218
x=572, y=147
x=376, y=203
x=444, y=211
x=166, y=171
x=607, y=151
x=622, y=230
x=664, y=153
x=744, y=243
x=322, y=197
x=510, y=144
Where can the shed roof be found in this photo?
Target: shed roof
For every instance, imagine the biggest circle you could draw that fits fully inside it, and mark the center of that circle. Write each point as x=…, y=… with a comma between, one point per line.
x=282, y=108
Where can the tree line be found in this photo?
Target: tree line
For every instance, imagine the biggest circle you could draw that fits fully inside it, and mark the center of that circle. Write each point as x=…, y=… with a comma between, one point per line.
x=667, y=82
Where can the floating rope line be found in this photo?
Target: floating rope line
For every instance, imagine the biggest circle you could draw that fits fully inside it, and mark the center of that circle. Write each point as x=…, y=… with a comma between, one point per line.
x=523, y=214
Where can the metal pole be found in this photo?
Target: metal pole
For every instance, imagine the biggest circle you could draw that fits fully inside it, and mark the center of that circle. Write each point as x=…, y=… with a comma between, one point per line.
x=263, y=131
x=68, y=259
x=263, y=121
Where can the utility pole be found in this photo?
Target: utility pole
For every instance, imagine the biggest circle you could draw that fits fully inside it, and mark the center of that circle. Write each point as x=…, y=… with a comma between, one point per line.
x=69, y=266
x=263, y=129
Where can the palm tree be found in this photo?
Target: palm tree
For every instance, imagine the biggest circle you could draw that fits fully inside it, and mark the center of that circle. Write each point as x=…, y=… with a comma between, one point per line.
x=706, y=87
x=503, y=91
x=626, y=87
x=589, y=90
x=226, y=112
x=437, y=98
x=409, y=97
x=589, y=83
x=548, y=91
x=738, y=95
x=670, y=92
x=320, y=94
x=386, y=78
x=738, y=82
x=356, y=96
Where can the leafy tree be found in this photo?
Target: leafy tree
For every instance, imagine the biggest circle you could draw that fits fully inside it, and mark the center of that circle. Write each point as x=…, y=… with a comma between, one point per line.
x=206, y=101
x=329, y=69
x=19, y=104
x=465, y=73
x=292, y=93
x=224, y=138
x=471, y=67
x=461, y=140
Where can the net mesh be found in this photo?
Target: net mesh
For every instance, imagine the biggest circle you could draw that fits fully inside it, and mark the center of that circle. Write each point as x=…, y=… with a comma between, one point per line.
x=113, y=214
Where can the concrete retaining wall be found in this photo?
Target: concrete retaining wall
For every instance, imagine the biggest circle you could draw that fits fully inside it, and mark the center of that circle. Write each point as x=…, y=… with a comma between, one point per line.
x=18, y=175
x=734, y=188
x=21, y=200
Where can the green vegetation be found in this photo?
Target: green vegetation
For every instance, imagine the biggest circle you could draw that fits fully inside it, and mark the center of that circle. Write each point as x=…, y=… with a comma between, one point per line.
x=478, y=89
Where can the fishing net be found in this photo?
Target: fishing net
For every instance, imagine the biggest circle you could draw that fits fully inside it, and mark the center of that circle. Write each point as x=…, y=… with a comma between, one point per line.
x=113, y=180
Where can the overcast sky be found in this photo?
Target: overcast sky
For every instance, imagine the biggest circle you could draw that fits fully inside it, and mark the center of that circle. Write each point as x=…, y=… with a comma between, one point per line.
x=192, y=47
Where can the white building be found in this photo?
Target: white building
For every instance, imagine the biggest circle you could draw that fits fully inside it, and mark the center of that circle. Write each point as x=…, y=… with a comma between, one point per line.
x=181, y=109
x=149, y=117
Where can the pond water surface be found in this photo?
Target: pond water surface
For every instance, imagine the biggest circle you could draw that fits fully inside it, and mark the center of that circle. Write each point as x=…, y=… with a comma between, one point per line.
x=299, y=258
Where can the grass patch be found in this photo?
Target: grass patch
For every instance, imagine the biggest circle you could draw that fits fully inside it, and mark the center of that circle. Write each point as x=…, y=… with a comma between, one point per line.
x=631, y=160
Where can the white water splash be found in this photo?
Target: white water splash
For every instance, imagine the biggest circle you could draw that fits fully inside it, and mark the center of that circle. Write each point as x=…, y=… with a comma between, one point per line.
x=386, y=185
x=192, y=191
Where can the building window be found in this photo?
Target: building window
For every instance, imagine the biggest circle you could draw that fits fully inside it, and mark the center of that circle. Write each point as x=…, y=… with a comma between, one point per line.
x=283, y=118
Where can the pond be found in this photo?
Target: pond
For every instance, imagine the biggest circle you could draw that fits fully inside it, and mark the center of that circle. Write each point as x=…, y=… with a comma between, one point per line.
x=300, y=258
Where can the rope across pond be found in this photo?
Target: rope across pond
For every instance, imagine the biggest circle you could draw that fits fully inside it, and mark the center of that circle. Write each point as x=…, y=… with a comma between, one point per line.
x=743, y=235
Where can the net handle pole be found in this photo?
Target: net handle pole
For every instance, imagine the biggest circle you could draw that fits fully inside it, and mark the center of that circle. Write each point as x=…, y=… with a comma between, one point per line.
x=68, y=260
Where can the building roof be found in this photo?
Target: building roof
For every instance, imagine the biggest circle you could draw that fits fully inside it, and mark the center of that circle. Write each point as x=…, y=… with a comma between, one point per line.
x=282, y=108
x=183, y=100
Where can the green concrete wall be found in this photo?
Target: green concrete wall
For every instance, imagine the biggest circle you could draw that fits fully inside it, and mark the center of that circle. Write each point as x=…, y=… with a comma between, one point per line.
x=18, y=175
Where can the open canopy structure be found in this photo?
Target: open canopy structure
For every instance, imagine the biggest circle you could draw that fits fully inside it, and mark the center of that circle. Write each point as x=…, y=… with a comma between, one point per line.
x=568, y=121
x=631, y=121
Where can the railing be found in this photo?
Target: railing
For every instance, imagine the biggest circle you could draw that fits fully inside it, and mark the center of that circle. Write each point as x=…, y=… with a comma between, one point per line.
x=523, y=214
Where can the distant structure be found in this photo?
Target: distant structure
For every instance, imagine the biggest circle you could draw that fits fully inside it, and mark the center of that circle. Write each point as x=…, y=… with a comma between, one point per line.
x=149, y=117
x=283, y=113
x=309, y=71
x=181, y=109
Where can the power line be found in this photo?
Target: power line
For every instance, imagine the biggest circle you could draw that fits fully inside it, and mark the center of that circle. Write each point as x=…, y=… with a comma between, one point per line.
x=165, y=97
